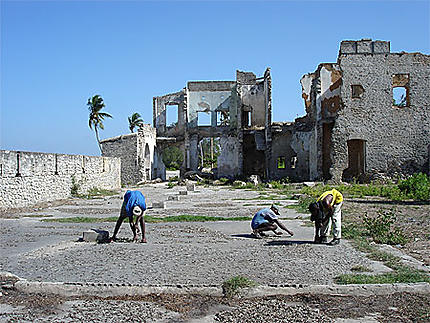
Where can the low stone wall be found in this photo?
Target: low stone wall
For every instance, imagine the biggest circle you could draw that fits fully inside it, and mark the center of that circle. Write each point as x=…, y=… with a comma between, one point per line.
x=28, y=178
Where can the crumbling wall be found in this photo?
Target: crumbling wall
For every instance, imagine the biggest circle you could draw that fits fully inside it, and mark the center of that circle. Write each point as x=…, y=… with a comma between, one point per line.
x=28, y=178
x=322, y=97
x=160, y=106
x=395, y=138
x=252, y=92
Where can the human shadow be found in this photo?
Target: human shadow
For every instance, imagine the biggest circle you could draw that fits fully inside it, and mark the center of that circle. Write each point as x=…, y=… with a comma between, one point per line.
x=244, y=235
x=289, y=242
x=251, y=236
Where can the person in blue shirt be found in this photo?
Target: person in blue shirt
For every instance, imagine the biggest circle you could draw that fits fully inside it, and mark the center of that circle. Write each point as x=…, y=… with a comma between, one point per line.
x=267, y=220
x=133, y=205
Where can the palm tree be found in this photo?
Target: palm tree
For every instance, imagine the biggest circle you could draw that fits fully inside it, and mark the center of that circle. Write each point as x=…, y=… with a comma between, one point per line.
x=95, y=105
x=135, y=121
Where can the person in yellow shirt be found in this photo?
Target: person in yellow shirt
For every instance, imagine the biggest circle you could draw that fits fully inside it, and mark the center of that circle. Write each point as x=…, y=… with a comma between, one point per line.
x=324, y=211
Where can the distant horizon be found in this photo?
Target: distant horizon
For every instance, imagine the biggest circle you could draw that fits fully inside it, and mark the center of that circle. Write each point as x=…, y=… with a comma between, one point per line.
x=57, y=54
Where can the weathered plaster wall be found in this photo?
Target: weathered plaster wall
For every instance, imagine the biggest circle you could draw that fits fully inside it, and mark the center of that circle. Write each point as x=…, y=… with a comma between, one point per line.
x=207, y=101
x=230, y=157
x=396, y=138
x=28, y=178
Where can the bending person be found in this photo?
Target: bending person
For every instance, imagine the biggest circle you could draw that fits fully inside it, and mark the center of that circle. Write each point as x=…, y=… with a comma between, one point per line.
x=133, y=205
x=324, y=211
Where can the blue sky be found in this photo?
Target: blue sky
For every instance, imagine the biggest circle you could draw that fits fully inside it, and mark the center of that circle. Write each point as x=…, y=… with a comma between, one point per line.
x=56, y=54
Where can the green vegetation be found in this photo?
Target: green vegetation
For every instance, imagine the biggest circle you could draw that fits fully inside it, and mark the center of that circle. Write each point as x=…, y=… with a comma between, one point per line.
x=172, y=158
x=416, y=187
x=95, y=105
x=171, y=185
x=232, y=286
x=206, y=157
x=302, y=204
x=151, y=219
x=75, y=187
x=135, y=121
x=401, y=274
x=380, y=228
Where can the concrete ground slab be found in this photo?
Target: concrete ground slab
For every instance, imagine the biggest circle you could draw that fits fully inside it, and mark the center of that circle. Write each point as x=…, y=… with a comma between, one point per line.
x=205, y=253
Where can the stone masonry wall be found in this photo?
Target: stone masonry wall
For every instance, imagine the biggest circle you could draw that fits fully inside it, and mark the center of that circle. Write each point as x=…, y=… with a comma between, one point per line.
x=126, y=148
x=396, y=138
x=136, y=151
x=28, y=178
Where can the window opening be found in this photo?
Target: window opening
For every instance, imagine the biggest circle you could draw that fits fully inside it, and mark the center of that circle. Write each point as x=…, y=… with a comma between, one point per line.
x=222, y=118
x=203, y=118
x=400, y=90
x=357, y=91
x=399, y=97
x=246, y=119
x=280, y=161
x=171, y=115
x=209, y=150
x=293, y=162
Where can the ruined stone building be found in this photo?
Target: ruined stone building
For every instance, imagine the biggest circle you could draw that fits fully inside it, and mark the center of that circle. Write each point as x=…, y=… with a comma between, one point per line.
x=358, y=131
x=353, y=127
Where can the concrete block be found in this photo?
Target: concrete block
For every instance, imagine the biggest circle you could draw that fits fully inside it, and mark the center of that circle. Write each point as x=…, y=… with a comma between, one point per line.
x=159, y=205
x=95, y=235
x=173, y=198
x=183, y=192
x=191, y=187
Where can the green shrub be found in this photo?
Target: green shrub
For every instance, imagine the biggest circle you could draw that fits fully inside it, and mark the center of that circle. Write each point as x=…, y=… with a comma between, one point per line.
x=380, y=228
x=171, y=184
x=416, y=187
x=232, y=286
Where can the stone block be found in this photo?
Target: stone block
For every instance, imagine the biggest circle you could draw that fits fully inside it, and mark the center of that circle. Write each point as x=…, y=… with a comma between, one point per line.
x=173, y=198
x=159, y=205
x=95, y=235
x=348, y=47
x=364, y=46
x=191, y=187
x=380, y=47
x=183, y=192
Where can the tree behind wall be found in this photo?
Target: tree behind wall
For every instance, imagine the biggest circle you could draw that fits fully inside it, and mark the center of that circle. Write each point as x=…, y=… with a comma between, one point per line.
x=134, y=121
x=95, y=105
x=172, y=158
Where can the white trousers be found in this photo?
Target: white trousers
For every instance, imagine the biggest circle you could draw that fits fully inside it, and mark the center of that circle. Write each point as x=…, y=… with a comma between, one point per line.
x=337, y=222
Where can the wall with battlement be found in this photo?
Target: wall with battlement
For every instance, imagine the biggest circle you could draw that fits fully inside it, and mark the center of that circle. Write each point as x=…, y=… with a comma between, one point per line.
x=28, y=178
